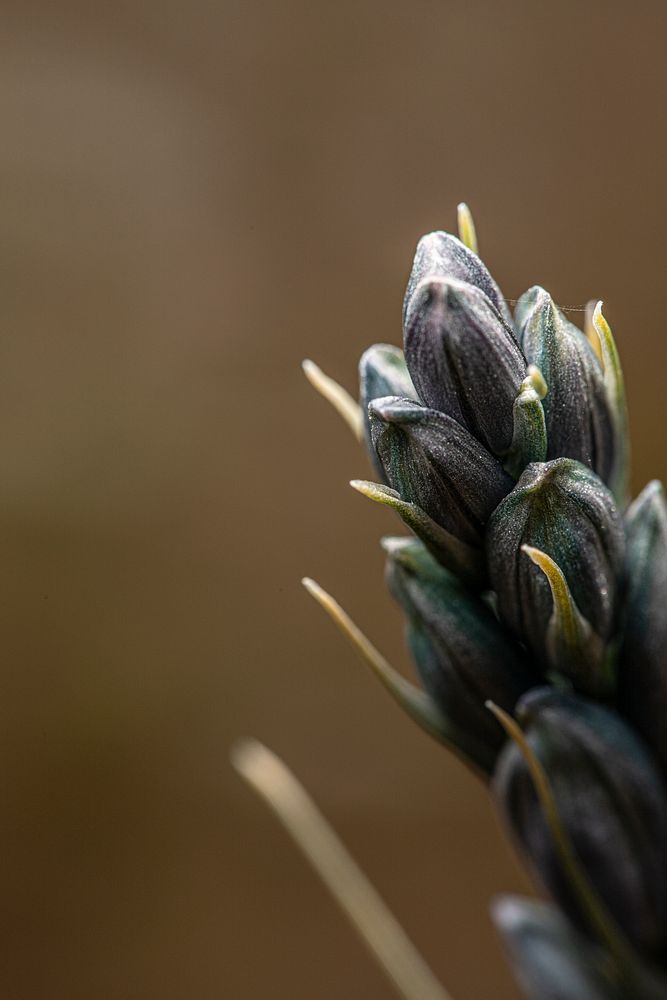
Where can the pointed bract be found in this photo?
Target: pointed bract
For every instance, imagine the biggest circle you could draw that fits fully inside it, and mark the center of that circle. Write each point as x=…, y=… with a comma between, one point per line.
x=336, y=395
x=529, y=434
x=572, y=647
x=466, y=226
x=465, y=561
x=615, y=389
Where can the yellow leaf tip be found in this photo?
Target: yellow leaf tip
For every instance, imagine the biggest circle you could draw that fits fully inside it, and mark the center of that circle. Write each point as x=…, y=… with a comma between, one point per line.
x=599, y=320
x=531, y=551
x=366, y=488
x=466, y=226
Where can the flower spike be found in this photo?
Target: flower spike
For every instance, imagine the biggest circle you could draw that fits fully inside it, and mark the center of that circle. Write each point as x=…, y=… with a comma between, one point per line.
x=531, y=587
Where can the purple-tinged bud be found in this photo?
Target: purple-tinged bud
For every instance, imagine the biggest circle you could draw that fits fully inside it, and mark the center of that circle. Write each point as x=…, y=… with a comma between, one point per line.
x=463, y=654
x=555, y=550
x=611, y=804
x=576, y=408
x=442, y=255
x=434, y=462
x=464, y=360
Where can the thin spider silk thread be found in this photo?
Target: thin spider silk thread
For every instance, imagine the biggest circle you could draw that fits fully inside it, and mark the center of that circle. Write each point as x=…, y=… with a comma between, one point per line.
x=565, y=309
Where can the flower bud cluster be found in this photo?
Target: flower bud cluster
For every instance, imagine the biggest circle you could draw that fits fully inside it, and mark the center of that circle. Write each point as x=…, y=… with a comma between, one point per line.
x=500, y=440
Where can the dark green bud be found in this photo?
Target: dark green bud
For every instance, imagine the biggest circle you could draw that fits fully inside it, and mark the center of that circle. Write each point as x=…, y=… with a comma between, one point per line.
x=463, y=654
x=464, y=360
x=550, y=959
x=576, y=408
x=555, y=551
x=643, y=663
x=610, y=802
x=432, y=461
x=442, y=255
x=382, y=372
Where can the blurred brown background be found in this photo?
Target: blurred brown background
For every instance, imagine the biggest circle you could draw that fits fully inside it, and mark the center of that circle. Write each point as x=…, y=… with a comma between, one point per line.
x=193, y=197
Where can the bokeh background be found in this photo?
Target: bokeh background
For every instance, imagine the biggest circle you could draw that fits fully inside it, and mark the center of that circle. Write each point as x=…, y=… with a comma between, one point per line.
x=194, y=196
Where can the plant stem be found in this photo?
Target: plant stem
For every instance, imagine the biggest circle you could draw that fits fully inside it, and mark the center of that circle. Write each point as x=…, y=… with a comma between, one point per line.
x=360, y=901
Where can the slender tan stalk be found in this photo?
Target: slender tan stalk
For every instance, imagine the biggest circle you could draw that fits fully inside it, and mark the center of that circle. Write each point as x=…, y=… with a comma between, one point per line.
x=359, y=900
x=412, y=699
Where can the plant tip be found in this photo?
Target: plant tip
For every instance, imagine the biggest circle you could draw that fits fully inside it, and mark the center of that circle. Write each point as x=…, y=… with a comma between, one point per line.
x=244, y=754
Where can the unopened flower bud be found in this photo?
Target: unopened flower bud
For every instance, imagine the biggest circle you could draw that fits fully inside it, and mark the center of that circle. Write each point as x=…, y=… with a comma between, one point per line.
x=611, y=805
x=432, y=461
x=463, y=654
x=555, y=550
x=463, y=359
x=576, y=408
